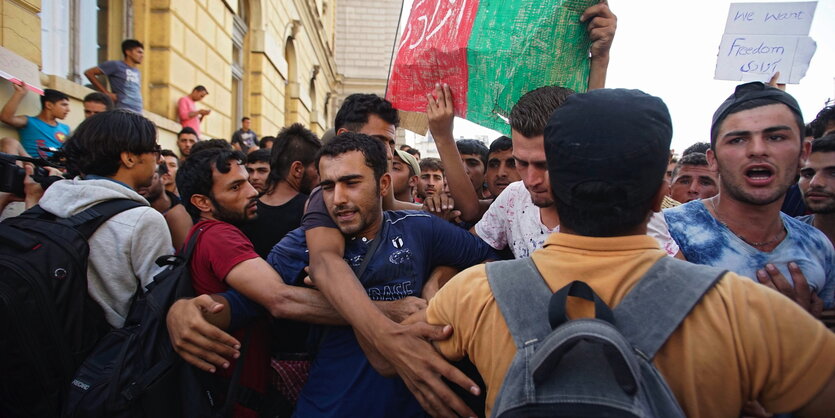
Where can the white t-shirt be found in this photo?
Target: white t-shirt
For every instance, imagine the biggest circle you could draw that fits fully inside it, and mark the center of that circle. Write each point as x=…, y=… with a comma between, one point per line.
x=513, y=221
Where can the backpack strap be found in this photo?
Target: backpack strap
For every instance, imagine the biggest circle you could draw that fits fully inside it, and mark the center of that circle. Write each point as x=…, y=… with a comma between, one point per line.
x=522, y=296
x=90, y=219
x=657, y=305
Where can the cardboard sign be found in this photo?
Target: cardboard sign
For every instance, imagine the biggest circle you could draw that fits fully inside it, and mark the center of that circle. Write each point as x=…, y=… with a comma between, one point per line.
x=763, y=38
x=18, y=70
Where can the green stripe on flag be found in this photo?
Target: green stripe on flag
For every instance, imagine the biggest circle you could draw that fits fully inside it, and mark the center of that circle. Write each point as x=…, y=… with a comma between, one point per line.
x=519, y=45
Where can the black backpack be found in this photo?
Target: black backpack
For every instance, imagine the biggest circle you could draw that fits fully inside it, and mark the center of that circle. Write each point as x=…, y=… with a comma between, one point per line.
x=135, y=372
x=48, y=321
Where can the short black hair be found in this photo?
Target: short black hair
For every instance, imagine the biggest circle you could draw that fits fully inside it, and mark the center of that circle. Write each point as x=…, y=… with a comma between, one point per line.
x=96, y=146
x=265, y=140
x=701, y=147
x=357, y=107
x=499, y=144
x=694, y=159
x=99, y=97
x=244, y=118
x=52, y=96
x=169, y=153
x=258, y=156
x=531, y=112
x=825, y=143
x=753, y=104
x=431, y=163
x=372, y=149
x=211, y=143
x=187, y=130
x=472, y=146
x=200, y=87
x=129, y=44
x=293, y=143
x=597, y=221
x=195, y=175
x=414, y=152
x=405, y=147
x=823, y=118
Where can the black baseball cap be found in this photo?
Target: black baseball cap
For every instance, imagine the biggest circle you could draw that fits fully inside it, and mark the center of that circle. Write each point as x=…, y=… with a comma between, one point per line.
x=745, y=93
x=618, y=137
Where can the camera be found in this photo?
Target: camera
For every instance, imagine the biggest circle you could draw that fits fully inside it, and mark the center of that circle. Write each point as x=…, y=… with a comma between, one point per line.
x=12, y=175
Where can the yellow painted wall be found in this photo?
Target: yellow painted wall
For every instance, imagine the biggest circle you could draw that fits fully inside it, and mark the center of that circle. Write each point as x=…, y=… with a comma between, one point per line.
x=189, y=42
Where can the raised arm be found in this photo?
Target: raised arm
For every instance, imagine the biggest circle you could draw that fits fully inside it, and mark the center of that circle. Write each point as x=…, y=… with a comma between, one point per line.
x=7, y=115
x=440, y=110
x=602, y=24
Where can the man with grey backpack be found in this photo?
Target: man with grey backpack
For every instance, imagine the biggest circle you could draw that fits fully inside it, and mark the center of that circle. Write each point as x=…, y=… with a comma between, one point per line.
x=649, y=335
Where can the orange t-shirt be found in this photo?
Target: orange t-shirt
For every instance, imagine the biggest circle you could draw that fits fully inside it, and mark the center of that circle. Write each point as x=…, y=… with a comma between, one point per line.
x=742, y=342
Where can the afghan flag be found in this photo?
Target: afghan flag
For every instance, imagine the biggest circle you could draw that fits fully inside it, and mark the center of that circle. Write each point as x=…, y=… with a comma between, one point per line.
x=490, y=52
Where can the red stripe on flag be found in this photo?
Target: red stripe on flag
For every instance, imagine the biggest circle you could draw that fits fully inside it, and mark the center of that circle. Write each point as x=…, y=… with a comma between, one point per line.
x=433, y=49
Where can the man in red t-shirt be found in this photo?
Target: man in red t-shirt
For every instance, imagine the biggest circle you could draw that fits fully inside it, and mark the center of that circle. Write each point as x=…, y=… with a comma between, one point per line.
x=214, y=189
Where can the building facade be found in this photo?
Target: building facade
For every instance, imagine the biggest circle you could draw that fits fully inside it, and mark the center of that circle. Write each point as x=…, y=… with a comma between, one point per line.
x=270, y=60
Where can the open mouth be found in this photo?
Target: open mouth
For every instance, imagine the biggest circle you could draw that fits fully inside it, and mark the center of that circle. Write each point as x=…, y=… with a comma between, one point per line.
x=345, y=215
x=759, y=175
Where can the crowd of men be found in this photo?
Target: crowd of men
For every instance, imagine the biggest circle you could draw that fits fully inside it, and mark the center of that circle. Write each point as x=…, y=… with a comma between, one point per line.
x=351, y=273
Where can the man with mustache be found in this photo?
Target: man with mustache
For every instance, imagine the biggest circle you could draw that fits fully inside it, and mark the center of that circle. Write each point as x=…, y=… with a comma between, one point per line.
x=757, y=147
x=392, y=254
x=817, y=184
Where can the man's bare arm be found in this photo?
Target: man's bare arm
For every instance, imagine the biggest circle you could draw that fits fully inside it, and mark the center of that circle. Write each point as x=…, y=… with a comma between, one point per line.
x=602, y=24
x=92, y=75
x=7, y=114
x=404, y=347
x=259, y=282
x=179, y=223
x=440, y=111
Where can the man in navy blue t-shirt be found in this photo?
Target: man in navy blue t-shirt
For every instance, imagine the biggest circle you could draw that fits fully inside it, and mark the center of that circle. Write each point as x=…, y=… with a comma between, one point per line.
x=406, y=246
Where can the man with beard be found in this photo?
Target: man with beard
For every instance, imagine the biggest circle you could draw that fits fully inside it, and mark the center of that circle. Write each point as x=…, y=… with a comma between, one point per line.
x=757, y=147
x=292, y=176
x=114, y=153
x=214, y=188
x=186, y=139
x=392, y=253
x=169, y=205
x=817, y=183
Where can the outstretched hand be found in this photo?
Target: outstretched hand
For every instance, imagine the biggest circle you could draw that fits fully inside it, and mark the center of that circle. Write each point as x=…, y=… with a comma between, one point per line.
x=410, y=353
x=197, y=341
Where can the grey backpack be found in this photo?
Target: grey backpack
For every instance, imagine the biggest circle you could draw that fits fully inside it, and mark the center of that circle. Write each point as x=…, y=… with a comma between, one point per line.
x=592, y=367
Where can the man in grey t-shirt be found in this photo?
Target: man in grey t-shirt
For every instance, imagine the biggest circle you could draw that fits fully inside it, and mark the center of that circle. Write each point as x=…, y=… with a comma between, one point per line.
x=124, y=77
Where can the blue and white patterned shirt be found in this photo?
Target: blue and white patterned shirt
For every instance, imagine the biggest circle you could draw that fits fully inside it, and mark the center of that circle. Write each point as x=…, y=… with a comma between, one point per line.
x=705, y=240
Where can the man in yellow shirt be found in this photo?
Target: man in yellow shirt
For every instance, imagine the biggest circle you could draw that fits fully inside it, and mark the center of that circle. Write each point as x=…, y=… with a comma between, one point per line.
x=742, y=342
